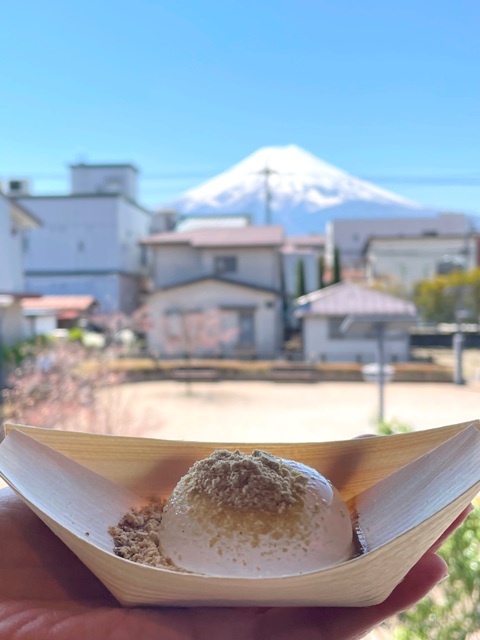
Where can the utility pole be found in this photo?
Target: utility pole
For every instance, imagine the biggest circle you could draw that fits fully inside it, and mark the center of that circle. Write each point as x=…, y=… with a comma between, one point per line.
x=266, y=173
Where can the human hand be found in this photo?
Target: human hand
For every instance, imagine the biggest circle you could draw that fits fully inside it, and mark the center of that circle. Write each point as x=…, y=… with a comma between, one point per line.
x=46, y=593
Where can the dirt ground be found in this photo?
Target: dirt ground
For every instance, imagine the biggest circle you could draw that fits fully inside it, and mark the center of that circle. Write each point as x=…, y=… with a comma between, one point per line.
x=268, y=412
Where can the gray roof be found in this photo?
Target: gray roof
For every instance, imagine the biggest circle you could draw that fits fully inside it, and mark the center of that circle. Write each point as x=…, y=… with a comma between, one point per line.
x=227, y=281
x=189, y=223
x=259, y=236
x=346, y=298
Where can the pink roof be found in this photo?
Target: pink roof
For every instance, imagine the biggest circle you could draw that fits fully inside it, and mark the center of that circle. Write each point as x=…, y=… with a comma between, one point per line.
x=347, y=298
x=248, y=236
x=59, y=303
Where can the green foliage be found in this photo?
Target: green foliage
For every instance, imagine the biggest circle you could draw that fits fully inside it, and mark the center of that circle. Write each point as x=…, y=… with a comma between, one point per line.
x=15, y=354
x=300, y=290
x=388, y=428
x=75, y=334
x=321, y=272
x=439, y=299
x=337, y=270
x=452, y=610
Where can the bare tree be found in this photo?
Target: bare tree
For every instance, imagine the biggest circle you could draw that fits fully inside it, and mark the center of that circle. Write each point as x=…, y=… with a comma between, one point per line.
x=190, y=334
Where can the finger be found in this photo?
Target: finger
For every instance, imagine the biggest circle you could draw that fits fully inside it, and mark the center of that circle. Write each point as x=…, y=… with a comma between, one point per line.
x=351, y=623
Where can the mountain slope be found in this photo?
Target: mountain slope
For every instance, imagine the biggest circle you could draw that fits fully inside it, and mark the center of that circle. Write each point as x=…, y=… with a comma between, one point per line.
x=289, y=186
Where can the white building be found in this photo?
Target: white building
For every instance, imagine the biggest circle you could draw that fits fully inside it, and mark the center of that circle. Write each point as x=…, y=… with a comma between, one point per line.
x=233, y=271
x=323, y=314
x=89, y=242
x=350, y=236
x=14, y=221
x=402, y=261
x=44, y=314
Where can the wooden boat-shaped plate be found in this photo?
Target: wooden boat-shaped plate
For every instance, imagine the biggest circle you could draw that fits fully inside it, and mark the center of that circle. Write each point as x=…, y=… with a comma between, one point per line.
x=404, y=489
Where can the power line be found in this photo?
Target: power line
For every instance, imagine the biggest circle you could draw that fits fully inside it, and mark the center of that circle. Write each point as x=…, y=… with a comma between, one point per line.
x=426, y=180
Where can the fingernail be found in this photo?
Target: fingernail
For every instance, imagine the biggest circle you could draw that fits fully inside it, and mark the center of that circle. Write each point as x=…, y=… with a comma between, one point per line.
x=444, y=577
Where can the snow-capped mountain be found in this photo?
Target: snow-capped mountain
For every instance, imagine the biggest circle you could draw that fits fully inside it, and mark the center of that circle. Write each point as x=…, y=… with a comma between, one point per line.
x=289, y=186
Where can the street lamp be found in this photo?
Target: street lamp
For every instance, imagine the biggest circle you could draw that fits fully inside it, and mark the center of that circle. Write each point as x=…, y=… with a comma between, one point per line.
x=5, y=302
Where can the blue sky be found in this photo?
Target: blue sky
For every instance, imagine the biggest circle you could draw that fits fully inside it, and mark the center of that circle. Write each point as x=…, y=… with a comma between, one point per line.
x=185, y=89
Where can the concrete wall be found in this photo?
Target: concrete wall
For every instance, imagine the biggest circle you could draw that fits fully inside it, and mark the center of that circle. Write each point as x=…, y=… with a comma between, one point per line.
x=12, y=328
x=105, y=288
x=178, y=263
x=350, y=236
x=174, y=264
x=87, y=179
x=213, y=295
x=11, y=251
x=133, y=223
x=88, y=245
x=39, y=325
x=78, y=234
x=318, y=346
x=255, y=265
x=405, y=261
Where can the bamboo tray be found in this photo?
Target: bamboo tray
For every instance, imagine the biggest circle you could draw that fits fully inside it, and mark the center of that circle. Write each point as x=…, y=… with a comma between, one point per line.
x=405, y=489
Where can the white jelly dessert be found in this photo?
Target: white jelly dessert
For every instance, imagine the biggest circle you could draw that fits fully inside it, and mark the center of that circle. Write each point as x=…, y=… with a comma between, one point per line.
x=254, y=515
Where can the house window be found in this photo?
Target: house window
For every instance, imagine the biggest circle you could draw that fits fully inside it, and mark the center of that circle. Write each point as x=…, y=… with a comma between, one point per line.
x=334, y=332
x=334, y=325
x=225, y=264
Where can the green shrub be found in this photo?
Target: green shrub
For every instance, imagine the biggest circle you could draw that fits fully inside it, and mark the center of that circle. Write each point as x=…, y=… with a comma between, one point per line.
x=75, y=334
x=452, y=610
x=386, y=428
x=15, y=354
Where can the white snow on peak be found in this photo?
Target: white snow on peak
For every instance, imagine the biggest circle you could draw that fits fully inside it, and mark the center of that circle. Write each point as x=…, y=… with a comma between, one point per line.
x=298, y=186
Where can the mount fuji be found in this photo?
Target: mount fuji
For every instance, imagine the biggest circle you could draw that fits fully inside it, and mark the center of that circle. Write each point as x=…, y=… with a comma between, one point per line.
x=293, y=188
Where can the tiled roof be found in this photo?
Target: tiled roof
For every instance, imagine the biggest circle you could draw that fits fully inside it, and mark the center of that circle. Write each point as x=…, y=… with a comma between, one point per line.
x=347, y=298
x=248, y=236
x=58, y=303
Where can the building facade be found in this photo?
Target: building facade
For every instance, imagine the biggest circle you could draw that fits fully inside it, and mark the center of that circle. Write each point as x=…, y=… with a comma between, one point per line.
x=89, y=242
x=323, y=314
x=234, y=272
x=401, y=262
x=15, y=221
x=350, y=236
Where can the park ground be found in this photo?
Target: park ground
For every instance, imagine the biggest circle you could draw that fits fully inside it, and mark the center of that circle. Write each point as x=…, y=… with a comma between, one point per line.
x=287, y=412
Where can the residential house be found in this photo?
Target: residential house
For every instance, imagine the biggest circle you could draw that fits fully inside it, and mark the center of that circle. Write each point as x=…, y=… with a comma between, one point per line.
x=401, y=261
x=43, y=314
x=233, y=271
x=89, y=243
x=15, y=220
x=325, y=336
x=350, y=236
